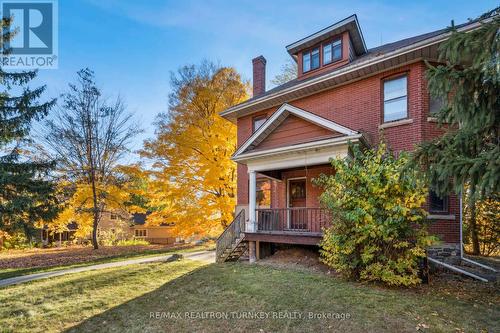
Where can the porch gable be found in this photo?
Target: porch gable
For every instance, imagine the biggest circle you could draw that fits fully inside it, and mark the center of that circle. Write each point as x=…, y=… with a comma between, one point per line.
x=291, y=126
x=294, y=130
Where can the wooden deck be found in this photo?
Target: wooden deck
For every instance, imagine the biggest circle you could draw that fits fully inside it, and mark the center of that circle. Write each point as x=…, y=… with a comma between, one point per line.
x=285, y=237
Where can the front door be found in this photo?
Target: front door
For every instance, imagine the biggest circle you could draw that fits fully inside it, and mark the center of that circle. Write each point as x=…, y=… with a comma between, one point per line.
x=297, y=203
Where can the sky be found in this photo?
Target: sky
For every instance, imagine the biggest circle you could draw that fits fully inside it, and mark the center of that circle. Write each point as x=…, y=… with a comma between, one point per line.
x=134, y=45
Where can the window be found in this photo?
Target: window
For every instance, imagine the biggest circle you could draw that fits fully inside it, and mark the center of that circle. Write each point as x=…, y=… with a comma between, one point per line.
x=113, y=217
x=395, y=99
x=332, y=52
x=437, y=204
x=297, y=189
x=435, y=104
x=258, y=122
x=310, y=60
x=263, y=193
x=140, y=233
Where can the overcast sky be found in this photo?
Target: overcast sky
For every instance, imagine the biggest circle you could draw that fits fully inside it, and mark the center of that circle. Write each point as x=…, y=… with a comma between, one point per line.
x=134, y=45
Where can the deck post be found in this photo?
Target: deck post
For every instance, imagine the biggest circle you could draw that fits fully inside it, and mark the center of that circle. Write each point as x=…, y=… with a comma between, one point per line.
x=252, y=251
x=252, y=221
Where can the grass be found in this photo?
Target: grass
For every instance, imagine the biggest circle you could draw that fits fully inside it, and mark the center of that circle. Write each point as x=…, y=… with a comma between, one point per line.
x=129, y=299
x=12, y=272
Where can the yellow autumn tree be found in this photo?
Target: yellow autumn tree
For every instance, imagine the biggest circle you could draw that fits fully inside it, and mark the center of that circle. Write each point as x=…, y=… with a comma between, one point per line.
x=485, y=214
x=78, y=207
x=192, y=182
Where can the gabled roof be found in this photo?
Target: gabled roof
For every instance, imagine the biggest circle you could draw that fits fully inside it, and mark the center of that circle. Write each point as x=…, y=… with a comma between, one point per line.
x=350, y=24
x=279, y=116
x=139, y=218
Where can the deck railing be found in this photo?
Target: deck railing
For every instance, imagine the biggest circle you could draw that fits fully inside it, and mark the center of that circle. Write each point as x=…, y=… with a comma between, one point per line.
x=232, y=232
x=308, y=220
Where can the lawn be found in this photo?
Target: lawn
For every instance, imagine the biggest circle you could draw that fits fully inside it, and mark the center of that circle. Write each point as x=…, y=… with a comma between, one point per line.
x=184, y=296
x=23, y=262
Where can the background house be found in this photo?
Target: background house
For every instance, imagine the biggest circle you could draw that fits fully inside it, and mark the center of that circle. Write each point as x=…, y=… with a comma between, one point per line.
x=161, y=234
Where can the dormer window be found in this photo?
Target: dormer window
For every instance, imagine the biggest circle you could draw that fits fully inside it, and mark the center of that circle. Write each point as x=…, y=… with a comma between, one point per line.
x=310, y=60
x=332, y=51
x=331, y=47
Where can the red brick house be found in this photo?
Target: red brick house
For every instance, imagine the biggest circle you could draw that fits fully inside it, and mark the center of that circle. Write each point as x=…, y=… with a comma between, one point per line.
x=343, y=92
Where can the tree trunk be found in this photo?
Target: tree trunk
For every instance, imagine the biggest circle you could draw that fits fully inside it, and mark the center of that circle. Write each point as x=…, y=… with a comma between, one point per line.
x=90, y=146
x=27, y=232
x=95, y=244
x=473, y=227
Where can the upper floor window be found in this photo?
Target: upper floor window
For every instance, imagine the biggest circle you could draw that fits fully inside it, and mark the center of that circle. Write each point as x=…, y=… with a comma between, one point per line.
x=141, y=233
x=395, y=99
x=332, y=51
x=113, y=217
x=437, y=203
x=310, y=60
x=258, y=122
x=436, y=104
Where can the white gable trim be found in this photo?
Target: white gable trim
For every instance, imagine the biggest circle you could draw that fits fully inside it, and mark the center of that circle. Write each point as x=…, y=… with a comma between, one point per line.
x=308, y=146
x=318, y=157
x=320, y=121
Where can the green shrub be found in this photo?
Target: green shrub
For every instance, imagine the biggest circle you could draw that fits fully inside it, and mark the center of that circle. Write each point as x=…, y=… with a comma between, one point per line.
x=377, y=231
x=18, y=241
x=112, y=237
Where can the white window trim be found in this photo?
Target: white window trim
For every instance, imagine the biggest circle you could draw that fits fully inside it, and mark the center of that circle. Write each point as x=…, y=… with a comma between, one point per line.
x=395, y=123
x=330, y=45
x=304, y=55
x=441, y=216
x=405, y=76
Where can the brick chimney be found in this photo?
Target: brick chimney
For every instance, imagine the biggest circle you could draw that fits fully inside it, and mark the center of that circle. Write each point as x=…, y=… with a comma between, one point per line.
x=259, y=76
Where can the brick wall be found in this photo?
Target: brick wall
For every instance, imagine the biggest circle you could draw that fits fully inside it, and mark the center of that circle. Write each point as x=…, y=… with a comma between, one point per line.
x=358, y=105
x=279, y=195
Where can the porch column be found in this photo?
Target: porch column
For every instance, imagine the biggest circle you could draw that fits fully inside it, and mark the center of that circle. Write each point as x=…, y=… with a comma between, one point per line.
x=252, y=221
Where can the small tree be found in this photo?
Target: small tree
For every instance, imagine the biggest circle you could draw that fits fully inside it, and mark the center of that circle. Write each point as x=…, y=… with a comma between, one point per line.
x=288, y=73
x=378, y=231
x=89, y=137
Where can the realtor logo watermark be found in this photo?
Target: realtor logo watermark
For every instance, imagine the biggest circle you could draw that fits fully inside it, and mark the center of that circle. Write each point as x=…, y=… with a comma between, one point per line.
x=35, y=41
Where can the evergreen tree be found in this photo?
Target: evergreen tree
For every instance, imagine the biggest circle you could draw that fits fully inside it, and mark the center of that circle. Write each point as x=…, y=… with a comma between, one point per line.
x=26, y=193
x=468, y=81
